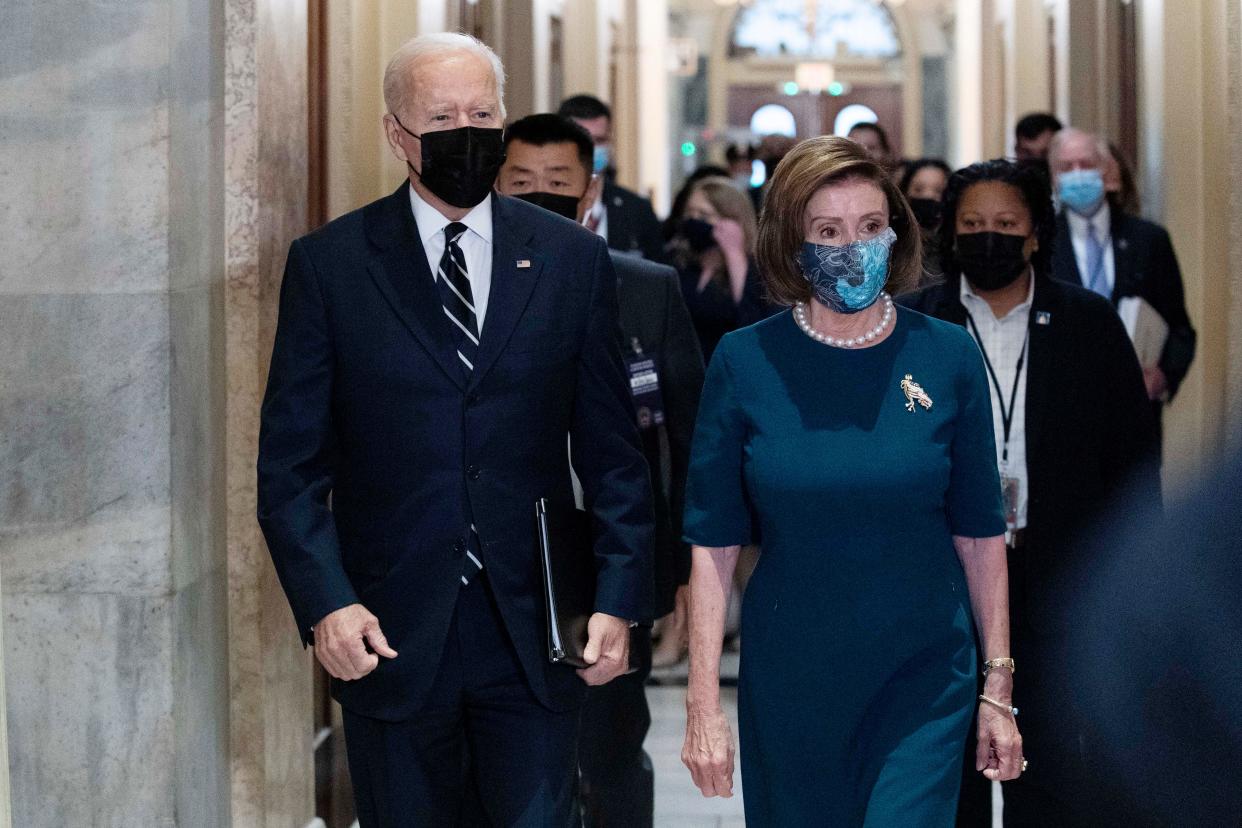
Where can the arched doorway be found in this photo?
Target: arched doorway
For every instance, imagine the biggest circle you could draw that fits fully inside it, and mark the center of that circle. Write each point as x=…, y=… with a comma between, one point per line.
x=818, y=60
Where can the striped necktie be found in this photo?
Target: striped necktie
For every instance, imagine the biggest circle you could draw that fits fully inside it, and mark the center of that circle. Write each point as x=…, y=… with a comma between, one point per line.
x=453, y=281
x=457, y=298
x=1096, y=277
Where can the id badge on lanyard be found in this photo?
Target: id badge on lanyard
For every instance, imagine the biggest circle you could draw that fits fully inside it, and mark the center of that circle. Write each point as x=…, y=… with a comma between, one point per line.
x=1010, y=487
x=644, y=375
x=1009, y=497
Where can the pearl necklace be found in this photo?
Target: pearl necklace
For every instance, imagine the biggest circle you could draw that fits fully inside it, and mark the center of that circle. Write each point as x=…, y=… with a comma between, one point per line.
x=799, y=314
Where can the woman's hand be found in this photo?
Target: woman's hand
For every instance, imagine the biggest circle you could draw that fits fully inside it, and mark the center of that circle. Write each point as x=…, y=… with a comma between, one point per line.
x=708, y=752
x=728, y=234
x=999, y=755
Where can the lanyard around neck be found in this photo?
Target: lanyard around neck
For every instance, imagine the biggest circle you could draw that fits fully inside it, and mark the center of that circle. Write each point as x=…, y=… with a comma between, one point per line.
x=1006, y=412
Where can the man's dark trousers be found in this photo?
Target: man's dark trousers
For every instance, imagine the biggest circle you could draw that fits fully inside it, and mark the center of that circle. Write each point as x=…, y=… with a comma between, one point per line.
x=618, y=783
x=415, y=772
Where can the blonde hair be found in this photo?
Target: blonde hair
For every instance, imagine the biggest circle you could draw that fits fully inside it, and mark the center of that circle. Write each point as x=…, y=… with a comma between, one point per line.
x=397, y=91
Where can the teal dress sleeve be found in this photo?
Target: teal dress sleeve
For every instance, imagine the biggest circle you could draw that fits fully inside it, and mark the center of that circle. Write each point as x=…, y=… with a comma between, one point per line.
x=717, y=509
x=974, y=500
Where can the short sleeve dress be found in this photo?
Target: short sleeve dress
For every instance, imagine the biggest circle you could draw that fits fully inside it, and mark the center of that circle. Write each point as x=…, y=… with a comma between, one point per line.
x=853, y=469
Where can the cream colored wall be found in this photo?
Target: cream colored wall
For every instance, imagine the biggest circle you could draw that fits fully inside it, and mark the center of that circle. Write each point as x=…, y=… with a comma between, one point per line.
x=360, y=38
x=1191, y=137
x=1234, y=34
x=1026, y=75
x=978, y=90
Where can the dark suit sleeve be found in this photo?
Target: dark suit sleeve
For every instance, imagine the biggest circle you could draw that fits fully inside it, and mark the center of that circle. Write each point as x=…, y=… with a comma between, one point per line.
x=683, y=385
x=297, y=451
x=608, y=458
x=1128, y=440
x=1166, y=294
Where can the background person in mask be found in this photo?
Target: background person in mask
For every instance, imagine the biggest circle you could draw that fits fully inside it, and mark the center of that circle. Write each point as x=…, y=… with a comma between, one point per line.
x=1118, y=255
x=435, y=351
x=923, y=184
x=856, y=439
x=672, y=222
x=1072, y=429
x=622, y=217
x=548, y=162
x=714, y=251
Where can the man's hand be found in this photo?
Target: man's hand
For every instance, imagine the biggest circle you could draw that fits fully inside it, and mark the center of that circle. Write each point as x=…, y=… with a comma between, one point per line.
x=607, y=649
x=1157, y=383
x=341, y=640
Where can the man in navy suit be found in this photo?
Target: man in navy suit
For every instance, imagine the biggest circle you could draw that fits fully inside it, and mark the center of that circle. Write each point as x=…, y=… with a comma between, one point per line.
x=548, y=162
x=435, y=352
x=1118, y=255
x=621, y=216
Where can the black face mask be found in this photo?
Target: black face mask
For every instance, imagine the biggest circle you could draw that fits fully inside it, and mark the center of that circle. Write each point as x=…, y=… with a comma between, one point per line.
x=926, y=212
x=991, y=261
x=562, y=205
x=698, y=234
x=460, y=165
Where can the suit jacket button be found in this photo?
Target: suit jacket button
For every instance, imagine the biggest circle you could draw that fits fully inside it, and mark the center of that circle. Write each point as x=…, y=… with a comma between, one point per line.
x=459, y=547
x=472, y=472
x=473, y=399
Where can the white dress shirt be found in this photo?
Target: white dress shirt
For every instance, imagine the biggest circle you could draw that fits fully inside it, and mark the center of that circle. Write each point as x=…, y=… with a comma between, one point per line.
x=1102, y=221
x=1002, y=340
x=475, y=244
x=598, y=215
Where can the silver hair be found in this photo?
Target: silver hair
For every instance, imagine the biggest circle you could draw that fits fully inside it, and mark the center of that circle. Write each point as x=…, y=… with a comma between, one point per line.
x=397, y=90
x=1101, y=144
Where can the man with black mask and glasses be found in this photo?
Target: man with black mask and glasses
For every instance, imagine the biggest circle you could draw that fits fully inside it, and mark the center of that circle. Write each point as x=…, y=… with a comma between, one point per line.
x=548, y=162
x=434, y=353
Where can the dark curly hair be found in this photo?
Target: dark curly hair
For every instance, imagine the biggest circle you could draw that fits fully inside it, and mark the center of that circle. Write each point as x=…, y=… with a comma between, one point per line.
x=1030, y=181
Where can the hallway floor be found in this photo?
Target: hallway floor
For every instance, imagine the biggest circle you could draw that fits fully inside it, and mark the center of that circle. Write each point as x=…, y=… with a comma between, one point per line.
x=678, y=804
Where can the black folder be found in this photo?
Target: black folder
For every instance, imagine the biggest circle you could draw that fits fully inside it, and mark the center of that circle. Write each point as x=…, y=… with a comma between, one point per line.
x=568, y=564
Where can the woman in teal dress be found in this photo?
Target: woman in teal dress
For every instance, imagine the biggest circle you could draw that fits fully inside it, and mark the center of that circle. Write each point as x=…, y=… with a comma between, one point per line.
x=853, y=440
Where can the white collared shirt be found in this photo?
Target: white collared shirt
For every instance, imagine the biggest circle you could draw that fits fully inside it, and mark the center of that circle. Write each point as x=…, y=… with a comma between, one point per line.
x=1002, y=340
x=599, y=214
x=1103, y=223
x=475, y=244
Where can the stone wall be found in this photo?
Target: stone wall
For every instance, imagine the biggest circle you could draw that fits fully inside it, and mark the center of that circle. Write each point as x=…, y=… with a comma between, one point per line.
x=153, y=165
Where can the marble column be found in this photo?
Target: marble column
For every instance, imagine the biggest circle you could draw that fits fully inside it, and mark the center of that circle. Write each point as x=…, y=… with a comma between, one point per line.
x=153, y=164
x=110, y=531
x=265, y=205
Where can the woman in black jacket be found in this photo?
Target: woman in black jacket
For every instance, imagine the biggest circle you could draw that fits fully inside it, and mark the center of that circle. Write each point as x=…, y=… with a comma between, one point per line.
x=1073, y=430
x=714, y=251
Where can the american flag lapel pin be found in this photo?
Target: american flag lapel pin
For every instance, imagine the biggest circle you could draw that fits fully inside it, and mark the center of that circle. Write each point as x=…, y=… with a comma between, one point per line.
x=523, y=264
x=1043, y=318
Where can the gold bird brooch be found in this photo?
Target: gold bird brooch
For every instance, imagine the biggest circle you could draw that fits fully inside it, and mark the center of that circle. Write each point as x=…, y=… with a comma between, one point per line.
x=915, y=394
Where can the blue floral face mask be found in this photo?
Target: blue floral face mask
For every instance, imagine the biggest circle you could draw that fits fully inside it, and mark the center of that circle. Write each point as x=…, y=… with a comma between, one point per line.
x=848, y=278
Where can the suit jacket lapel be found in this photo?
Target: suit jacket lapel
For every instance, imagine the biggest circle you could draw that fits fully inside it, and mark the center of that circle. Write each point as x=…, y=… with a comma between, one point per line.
x=511, y=286
x=1063, y=259
x=399, y=268
x=1039, y=360
x=950, y=307
x=1124, y=265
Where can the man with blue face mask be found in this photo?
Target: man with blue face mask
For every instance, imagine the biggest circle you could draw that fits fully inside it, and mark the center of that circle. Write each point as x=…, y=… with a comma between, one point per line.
x=1118, y=255
x=621, y=217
